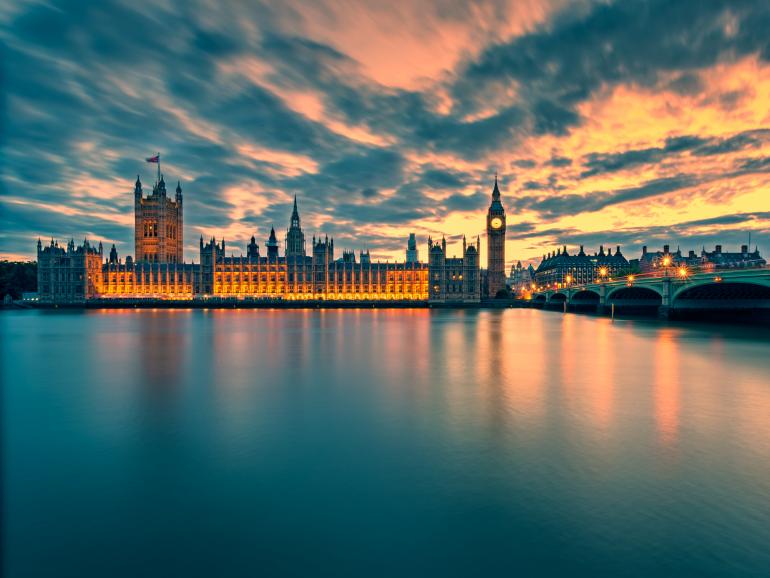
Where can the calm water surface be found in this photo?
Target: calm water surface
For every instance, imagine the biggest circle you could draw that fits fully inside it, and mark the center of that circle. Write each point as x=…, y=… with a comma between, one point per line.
x=382, y=443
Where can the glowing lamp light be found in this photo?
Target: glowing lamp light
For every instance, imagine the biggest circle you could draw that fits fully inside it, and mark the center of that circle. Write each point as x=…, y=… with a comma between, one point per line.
x=568, y=279
x=666, y=261
x=682, y=271
x=603, y=272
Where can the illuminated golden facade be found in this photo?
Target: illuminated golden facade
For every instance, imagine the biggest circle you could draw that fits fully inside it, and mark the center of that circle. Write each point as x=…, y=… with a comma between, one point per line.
x=294, y=276
x=158, y=224
x=314, y=277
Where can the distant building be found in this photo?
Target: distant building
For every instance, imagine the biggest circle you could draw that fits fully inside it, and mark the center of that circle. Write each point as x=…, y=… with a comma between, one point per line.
x=411, y=249
x=521, y=278
x=561, y=268
x=454, y=279
x=652, y=261
x=721, y=260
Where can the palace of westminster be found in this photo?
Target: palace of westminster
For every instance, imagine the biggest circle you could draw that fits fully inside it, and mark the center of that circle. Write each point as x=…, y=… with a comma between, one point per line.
x=74, y=274
x=79, y=273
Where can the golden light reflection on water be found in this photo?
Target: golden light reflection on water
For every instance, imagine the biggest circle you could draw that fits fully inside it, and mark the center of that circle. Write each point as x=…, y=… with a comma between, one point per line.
x=603, y=377
x=666, y=362
x=514, y=371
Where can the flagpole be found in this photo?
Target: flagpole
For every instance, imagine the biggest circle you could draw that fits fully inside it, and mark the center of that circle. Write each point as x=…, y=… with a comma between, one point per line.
x=158, y=167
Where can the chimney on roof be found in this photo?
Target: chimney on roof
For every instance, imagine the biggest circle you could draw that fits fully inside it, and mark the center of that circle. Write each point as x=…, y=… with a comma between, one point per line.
x=665, y=248
x=744, y=249
x=691, y=254
x=718, y=248
x=644, y=250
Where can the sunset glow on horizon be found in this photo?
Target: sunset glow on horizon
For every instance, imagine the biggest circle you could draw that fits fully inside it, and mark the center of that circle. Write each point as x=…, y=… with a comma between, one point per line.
x=614, y=123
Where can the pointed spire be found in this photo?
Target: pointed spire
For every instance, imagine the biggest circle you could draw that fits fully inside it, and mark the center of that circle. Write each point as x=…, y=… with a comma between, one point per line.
x=294, y=221
x=496, y=190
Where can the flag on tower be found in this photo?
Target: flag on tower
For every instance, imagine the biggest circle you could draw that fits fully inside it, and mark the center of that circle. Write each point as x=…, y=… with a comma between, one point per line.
x=156, y=160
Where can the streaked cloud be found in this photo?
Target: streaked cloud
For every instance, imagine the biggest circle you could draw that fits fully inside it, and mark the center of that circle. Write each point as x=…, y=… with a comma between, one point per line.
x=612, y=122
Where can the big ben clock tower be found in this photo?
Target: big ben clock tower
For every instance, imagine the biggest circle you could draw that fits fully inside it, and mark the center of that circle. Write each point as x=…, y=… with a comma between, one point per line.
x=495, y=243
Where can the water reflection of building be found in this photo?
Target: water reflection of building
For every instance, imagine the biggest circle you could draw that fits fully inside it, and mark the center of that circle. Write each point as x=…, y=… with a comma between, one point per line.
x=161, y=352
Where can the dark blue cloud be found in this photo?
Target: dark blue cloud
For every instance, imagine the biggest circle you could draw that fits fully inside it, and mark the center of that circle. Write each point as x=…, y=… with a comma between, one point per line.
x=600, y=163
x=90, y=89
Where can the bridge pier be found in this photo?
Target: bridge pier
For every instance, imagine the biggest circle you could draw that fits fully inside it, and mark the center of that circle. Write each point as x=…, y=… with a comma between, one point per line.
x=664, y=312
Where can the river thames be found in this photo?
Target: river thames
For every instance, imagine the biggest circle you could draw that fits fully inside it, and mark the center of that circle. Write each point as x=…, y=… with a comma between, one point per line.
x=382, y=443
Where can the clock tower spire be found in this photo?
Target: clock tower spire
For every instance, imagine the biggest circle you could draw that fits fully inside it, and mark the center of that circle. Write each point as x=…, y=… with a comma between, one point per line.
x=495, y=243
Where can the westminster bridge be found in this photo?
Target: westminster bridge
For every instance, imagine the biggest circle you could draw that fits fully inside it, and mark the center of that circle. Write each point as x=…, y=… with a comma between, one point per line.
x=679, y=291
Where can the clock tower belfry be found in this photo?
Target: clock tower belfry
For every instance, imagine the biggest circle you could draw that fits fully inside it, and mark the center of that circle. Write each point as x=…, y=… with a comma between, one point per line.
x=495, y=244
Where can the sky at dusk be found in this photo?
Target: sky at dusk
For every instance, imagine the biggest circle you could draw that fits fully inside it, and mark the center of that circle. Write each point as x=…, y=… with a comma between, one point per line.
x=616, y=123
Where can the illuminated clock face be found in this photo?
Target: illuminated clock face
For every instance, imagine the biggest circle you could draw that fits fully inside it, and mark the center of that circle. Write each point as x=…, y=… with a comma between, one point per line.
x=496, y=222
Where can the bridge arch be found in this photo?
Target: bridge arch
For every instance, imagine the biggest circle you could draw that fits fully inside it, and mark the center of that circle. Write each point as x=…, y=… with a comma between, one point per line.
x=585, y=297
x=540, y=298
x=635, y=292
x=558, y=298
x=635, y=296
x=728, y=294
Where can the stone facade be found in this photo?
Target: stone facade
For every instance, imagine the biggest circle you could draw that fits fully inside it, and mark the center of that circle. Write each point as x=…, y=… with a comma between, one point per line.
x=70, y=274
x=454, y=279
x=495, y=244
x=76, y=274
x=559, y=268
x=411, y=249
x=158, y=224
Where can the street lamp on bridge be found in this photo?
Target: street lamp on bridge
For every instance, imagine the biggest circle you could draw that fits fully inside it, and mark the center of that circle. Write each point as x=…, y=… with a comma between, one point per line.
x=603, y=273
x=666, y=264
